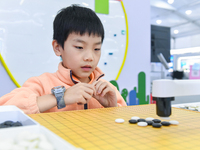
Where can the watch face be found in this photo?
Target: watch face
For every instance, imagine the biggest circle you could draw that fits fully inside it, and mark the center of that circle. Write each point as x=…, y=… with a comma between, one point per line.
x=58, y=89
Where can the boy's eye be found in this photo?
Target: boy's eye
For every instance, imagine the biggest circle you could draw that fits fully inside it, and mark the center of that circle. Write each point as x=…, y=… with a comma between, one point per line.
x=97, y=49
x=78, y=47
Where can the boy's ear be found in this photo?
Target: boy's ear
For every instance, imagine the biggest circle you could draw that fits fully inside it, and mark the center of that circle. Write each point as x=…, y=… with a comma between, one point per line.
x=57, y=48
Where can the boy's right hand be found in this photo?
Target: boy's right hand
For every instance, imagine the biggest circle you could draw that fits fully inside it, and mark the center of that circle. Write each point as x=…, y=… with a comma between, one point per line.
x=80, y=93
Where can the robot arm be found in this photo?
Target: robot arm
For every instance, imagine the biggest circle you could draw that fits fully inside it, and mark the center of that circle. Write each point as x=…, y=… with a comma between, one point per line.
x=164, y=91
x=171, y=88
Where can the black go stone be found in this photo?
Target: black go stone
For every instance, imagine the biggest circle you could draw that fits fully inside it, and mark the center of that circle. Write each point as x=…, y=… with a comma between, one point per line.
x=156, y=125
x=156, y=121
x=165, y=123
x=149, y=122
x=3, y=126
x=16, y=124
x=133, y=121
x=141, y=120
x=10, y=123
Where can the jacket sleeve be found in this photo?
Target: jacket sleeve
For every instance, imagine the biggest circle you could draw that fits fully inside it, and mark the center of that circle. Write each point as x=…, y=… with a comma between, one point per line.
x=25, y=97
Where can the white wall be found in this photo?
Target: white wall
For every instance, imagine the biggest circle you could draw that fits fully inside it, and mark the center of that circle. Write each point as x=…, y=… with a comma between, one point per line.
x=6, y=84
x=138, y=57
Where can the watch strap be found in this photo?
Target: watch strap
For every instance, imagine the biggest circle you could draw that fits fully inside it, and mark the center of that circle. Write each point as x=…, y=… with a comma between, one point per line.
x=60, y=100
x=58, y=92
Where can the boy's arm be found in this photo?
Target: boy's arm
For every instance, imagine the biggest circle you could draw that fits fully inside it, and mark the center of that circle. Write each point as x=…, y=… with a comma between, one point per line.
x=35, y=97
x=26, y=96
x=23, y=98
x=43, y=104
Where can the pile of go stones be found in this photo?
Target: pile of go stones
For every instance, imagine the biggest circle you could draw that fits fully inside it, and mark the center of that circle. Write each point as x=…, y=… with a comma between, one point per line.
x=190, y=107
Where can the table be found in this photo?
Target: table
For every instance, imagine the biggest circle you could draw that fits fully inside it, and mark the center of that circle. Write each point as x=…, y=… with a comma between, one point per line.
x=95, y=129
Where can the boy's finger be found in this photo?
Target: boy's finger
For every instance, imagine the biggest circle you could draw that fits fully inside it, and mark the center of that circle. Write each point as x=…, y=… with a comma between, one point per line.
x=94, y=86
x=98, y=84
x=87, y=97
x=90, y=91
x=101, y=87
x=84, y=99
x=105, y=91
x=89, y=86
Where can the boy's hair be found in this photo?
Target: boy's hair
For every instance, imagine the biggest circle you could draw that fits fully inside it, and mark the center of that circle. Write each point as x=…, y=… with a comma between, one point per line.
x=76, y=19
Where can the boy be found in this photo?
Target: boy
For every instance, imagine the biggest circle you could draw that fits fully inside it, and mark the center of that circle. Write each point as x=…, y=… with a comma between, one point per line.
x=78, y=36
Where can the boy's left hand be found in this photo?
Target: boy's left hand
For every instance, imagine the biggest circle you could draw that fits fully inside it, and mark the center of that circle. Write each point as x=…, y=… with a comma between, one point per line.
x=105, y=94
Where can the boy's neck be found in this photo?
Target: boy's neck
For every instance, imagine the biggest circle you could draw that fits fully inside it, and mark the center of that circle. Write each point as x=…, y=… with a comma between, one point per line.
x=86, y=80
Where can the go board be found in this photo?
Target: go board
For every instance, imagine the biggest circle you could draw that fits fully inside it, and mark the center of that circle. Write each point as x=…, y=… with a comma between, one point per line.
x=95, y=129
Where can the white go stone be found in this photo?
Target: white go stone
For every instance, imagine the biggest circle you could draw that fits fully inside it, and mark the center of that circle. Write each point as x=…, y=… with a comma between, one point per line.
x=18, y=147
x=165, y=118
x=191, y=108
x=182, y=106
x=149, y=119
x=45, y=145
x=33, y=145
x=26, y=141
x=6, y=144
x=198, y=109
x=135, y=118
x=174, y=122
x=142, y=124
x=119, y=120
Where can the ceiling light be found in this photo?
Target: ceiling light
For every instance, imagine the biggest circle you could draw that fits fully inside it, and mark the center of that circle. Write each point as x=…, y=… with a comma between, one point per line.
x=170, y=1
x=188, y=12
x=158, y=21
x=21, y=2
x=176, y=31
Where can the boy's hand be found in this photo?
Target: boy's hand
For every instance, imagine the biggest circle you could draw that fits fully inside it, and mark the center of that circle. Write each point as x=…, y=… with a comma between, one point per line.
x=105, y=94
x=80, y=93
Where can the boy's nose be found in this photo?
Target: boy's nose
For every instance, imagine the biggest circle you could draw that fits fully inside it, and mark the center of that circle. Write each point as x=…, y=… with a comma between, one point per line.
x=88, y=57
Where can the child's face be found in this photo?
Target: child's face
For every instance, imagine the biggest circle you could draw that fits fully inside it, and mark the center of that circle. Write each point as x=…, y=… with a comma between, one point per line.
x=81, y=54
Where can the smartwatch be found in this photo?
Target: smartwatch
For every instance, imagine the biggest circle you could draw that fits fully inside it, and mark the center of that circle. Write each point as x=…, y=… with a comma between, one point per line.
x=58, y=92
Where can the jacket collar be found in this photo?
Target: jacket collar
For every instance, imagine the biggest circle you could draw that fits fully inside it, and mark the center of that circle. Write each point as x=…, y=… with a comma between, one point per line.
x=65, y=75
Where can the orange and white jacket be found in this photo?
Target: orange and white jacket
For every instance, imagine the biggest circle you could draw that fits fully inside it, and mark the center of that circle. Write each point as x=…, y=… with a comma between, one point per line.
x=25, y=96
